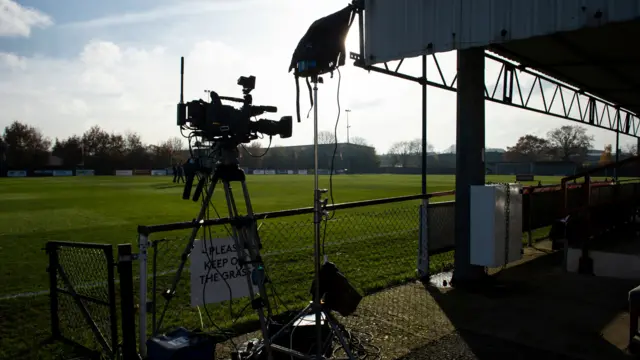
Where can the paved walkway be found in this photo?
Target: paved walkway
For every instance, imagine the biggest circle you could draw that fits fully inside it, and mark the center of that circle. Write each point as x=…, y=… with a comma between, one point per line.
x=540, y=313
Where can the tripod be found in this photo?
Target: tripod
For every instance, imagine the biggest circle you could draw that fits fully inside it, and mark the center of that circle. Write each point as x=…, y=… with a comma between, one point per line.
x=244, y=230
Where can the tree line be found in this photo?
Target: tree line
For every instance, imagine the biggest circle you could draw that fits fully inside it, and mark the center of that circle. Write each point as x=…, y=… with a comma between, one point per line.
x=25, y=147
x=569, y=143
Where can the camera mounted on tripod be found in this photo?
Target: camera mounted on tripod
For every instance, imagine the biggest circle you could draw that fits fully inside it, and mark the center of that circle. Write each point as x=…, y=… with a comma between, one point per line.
x=214, y=121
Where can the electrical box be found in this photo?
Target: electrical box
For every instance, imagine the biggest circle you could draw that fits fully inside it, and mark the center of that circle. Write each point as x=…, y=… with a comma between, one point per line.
x=494, y=240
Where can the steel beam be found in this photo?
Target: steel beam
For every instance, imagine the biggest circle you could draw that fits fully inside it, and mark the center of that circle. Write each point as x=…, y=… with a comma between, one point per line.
x=565, y=102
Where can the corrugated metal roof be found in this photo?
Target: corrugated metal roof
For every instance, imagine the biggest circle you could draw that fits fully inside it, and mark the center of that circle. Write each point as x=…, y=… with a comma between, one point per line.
x=395, y=29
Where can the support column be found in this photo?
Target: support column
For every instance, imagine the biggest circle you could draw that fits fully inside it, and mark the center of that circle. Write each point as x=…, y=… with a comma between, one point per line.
x=423, y=250
x=470, y=141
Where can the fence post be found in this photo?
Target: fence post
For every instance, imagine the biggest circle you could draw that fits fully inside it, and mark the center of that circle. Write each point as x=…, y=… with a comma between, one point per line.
x=52, y=251
x=423, y=242
x=125, y=272
x=143, y=244
x=154, y=289
x=113, y=312
x=530, y=217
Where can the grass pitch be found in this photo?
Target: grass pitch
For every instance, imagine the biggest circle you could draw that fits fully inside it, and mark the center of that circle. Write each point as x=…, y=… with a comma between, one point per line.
x=375, y=246
x=108, y=210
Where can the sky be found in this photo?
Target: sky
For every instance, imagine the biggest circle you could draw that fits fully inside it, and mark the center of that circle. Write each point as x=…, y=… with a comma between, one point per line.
x=66, y=65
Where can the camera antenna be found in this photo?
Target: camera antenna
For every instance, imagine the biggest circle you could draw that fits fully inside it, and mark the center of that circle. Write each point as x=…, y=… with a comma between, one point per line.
x=182, y=80
x=182, y=109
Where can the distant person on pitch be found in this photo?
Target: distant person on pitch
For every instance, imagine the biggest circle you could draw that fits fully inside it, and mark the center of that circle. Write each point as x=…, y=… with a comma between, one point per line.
x=180, y=173
x=175, y=172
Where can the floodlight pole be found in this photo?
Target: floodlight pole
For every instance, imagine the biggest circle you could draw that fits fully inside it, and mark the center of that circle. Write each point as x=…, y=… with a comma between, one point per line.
x=347, y=111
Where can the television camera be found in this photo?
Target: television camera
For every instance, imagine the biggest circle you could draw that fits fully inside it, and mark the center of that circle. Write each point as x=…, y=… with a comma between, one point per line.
x=214, y=121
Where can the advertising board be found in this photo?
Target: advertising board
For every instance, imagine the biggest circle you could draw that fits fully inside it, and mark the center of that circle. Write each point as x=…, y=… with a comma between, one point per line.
x=85, y=172
x=124, y=172
x=43, y=173
x=62, y=172
x=16, y=173
x=158, y=172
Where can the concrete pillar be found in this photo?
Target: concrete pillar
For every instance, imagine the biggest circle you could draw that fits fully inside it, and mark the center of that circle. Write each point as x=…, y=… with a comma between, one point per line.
x=470, y=138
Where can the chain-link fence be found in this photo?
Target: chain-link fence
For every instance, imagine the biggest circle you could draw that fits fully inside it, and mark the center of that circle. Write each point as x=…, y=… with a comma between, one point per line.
x=82, y=296
x=375, y=246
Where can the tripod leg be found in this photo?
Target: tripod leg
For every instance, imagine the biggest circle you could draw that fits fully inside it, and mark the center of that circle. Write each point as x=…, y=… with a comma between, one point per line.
x=241, y=242
x=187, y=250
x=336, y=330
x=254, y=238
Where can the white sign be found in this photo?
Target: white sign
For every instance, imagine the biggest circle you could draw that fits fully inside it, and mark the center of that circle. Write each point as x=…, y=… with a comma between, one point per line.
x=290, y=172
x=302, y=172
x=16, y=173
x=270, y=172
x=124, y=172
x=258, y=172
x=217, y=273
x=158, y=172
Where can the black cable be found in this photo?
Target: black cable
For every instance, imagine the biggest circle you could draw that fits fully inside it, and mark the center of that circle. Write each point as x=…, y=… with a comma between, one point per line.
x=333, y=158
x=335, y=148
x=263, y=154
x=360, y=344
x=227, y=334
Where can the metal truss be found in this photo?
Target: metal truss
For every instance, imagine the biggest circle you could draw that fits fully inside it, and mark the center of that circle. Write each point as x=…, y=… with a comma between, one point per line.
x=558, y=99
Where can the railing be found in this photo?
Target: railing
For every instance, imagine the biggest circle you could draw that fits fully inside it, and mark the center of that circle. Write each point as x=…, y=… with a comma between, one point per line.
x=595, y=209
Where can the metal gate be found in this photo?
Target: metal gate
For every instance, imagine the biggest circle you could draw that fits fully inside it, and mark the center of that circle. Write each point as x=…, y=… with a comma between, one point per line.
x=83, y=298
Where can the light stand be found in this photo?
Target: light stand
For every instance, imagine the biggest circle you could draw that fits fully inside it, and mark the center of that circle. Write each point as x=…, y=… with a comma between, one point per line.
x=318, y=208
x=316, y=305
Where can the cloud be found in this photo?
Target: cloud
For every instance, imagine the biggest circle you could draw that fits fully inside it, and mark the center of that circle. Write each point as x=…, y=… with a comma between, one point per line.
x=11, y=61
x=182, y=9
x=17, y=20
x=117, y=87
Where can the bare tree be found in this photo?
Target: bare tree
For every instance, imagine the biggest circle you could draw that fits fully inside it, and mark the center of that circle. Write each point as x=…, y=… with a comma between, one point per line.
x=415, y=147
x=450, y=150
x=175, y=144
x=569, y=140
x=630, y=150
x=357, y=140
x=400, y=153
x=326, y=137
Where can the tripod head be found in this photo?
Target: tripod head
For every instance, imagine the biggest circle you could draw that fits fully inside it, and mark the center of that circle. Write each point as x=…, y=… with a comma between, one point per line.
x=217, y=160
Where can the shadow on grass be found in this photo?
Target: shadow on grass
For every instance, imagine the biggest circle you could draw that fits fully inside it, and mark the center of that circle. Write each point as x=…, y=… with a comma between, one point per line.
x=531, y=306
x=167, y=186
